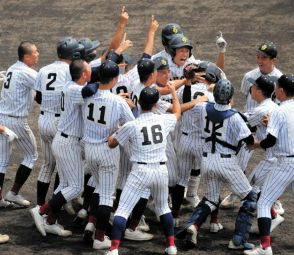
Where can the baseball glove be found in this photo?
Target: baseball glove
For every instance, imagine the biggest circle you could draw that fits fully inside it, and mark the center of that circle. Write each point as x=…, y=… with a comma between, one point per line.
x=189, y=71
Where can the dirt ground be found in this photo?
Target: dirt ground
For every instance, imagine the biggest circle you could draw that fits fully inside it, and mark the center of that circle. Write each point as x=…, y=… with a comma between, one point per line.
x=244, y=24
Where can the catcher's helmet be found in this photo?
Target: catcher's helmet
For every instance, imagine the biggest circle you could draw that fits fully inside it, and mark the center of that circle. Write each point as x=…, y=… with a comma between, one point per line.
x=213, y=73
x=148, y=97
x=69, y=48
x=168, y=31
x=89, y=47
x=108, y=70
x=179, y=41
x=223, y=92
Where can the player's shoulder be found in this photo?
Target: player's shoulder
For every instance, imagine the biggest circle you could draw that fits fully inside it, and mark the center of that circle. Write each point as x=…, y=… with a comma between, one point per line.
x=254, y=73
x=162, y=54
x=276, y=72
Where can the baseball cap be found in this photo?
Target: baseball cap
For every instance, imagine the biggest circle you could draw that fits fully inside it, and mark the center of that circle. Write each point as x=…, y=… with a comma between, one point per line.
x=145, y=66
x=268, y=49
x=161, y=63
x=109, y=69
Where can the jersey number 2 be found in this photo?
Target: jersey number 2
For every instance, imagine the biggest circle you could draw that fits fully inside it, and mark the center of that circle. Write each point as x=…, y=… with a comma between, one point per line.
x=156, y=135
x=52, y=78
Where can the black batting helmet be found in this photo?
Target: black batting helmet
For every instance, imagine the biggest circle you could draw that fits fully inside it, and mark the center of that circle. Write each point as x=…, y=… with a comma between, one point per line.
x=89, y=48
x=148, y=98
x=168, y=31
x=223, y=92
x=69, y=48
x=179, y=41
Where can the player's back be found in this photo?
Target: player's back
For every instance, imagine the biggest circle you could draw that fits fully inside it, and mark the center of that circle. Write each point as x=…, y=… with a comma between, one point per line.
x=104, y=112
x=50, y=81
x=16, y=95
x=148, y=137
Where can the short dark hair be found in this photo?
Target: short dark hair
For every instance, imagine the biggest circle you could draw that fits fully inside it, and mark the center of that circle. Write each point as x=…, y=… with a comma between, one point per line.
x=286, y=81
x=24, y=48
x=145, y=68
x=266, y=85
x=76, y=69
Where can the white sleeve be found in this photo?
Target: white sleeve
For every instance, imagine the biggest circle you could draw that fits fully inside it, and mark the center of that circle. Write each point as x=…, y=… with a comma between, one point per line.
x=276, y=121
x=124, y=133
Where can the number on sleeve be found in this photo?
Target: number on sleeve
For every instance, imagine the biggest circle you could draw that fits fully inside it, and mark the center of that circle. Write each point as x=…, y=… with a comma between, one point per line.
x=7, y=82
x=62, y=101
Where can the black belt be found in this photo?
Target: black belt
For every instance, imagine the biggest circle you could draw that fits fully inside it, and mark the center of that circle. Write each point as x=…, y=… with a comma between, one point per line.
x=184, y=133
x=290, y=156
x=144, y=163
x=221, y=155
x=64, y=135
x=56, y=114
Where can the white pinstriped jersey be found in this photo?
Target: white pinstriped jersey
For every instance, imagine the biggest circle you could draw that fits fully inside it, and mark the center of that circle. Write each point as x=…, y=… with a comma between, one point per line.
x=175, y=70
x=161, y=106
x=50, y=81
x=126, y=81
x=16, y=95
x=281, y=126
x=71, y=119
x=232, y=130
x=246, y=85
x=189, y=125
x=103, y=114
x=255, y=117
x=147, y=135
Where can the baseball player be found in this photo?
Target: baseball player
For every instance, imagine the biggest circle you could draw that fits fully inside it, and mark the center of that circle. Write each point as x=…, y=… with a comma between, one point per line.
x=147, y=136
x=15, y=104
x=69, y=165
x=279, y=137
x=49, y=84
x=103, y=113
x=223, y=129
x=266, y=57
x=261, y=92
x=10, y=135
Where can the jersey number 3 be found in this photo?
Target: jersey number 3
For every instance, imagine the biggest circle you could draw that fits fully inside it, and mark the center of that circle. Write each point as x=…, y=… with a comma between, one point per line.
x=156, y=135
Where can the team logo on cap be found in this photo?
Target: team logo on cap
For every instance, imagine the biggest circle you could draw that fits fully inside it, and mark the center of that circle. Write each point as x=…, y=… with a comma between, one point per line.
x=184, y=39
x=174, y=29
x=163, y=62
x=263, y=47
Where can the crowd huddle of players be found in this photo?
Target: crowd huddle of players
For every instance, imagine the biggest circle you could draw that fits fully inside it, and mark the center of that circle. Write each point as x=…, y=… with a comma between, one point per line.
x=119, y=138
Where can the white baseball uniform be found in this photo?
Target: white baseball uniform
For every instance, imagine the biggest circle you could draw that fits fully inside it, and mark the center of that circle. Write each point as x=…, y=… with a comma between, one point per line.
x=66, y=146
x=281, y=126
x=255, y=117
x=50, y=81
x=147, y=135
x=15, y=104
x=103, y=114
x=219, y=163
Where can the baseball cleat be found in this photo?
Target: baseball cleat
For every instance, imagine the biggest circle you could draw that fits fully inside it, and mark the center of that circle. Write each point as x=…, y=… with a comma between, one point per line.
x=279, y=208
x=17, y=199
x=4, y=238
x=38, y=219
x=215, y=227
x=277, y=221
x=143, y=226
x=102, y=245
x=89, y=232
x=57, y=229
x=228, y=201
x=137, y=235
x=112, y=252
x=245, y=246
x=259, y=251
x=6, y=204
x=171, y=250
x=192, y=235
x=82, y=215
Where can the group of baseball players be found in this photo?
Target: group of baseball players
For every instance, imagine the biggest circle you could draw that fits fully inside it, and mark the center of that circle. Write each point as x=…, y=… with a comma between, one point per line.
x=119, y=139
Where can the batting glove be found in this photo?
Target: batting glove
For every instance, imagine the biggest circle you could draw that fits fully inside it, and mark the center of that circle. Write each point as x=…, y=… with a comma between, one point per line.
x=221, y=43
x=9, y=134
